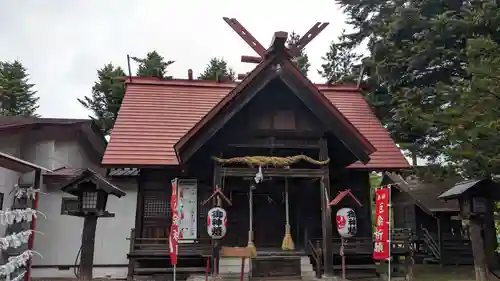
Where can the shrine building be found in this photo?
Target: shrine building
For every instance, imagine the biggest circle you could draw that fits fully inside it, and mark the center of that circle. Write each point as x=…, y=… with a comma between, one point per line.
x=312, y=141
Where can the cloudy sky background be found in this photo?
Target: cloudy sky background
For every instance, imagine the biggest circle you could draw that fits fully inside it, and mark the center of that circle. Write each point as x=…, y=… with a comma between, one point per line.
x=62, y=43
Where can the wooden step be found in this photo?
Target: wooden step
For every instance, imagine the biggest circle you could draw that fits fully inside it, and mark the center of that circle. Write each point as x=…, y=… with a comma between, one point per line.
x=276, y=267
x=168, y=270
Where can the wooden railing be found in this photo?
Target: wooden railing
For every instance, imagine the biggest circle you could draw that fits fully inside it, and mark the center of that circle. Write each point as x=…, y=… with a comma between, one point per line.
x=431, y=244
x=316, y=253
x=160, y=246
x=401, y=242
x=352, y=246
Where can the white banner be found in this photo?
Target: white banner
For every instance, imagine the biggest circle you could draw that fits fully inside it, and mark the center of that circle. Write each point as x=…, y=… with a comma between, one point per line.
x=188, y=194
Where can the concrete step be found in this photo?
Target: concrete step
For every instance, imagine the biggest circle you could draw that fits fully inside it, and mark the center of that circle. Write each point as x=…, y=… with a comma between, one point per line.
x=306, y=268
x=232, y=265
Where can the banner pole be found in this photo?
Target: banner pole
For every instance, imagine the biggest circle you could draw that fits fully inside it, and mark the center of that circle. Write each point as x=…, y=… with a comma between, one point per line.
x=389, y=243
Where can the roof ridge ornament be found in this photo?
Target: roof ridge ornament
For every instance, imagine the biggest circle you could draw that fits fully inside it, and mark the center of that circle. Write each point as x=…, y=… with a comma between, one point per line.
x=278, y=41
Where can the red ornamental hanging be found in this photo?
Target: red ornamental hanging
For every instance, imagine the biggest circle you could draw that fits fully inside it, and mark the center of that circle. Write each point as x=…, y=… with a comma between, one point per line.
x=381, y=246
x=217, y=222
x=175, y=234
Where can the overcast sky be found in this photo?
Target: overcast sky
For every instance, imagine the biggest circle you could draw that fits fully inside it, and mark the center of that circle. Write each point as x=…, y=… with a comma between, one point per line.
x=62, y=42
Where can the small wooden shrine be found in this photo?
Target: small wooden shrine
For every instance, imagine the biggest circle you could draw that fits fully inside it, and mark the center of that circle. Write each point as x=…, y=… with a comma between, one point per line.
x=437, y=225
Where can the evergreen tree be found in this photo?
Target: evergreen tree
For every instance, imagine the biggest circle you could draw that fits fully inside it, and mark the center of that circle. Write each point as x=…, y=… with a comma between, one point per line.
x=17, y=96
x=341, y=63
x=106, y=98
x=153, y=65
x=414, y=46
x=471, y=140
x=108, y=90
x=217, y=67
x=301, y=60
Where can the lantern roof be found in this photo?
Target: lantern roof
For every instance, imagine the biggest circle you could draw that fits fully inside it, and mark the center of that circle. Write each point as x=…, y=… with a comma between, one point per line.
x=474, y=187
x=341, y=195
x=101, y=183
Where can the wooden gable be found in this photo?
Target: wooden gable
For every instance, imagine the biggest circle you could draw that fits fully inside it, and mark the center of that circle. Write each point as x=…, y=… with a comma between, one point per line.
x=276, y=69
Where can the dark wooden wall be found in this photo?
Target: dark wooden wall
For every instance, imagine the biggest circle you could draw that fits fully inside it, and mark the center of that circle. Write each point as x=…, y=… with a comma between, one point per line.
x=404, y=210
x=153, y=204
x=359, y=183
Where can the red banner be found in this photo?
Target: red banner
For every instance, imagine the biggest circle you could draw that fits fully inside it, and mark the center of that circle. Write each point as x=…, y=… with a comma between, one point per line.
x=174, y=228
x=381, y=246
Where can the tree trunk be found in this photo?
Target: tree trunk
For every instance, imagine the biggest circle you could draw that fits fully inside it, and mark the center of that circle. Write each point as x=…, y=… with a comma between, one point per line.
x=480, y=267
x=414, y=159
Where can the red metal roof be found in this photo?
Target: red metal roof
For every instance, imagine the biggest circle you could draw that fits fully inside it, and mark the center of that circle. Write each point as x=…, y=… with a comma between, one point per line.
x=155, y=115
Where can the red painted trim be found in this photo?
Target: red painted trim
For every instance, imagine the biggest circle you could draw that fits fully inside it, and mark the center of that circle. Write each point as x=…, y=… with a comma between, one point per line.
x=31, y=242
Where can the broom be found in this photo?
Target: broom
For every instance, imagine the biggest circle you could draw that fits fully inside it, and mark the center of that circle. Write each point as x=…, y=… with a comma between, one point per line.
x=287, y=240
x=251, y=246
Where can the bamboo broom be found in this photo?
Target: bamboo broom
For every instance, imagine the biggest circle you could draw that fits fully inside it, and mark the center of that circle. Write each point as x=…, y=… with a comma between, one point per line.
x=287, y=240
x=251, y=246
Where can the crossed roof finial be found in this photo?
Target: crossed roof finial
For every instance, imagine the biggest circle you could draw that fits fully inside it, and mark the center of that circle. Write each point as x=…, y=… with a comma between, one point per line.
x=278, y=40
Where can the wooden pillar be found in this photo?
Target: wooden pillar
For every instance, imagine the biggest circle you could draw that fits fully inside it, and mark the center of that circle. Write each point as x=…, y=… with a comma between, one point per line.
x=326, y=219
x=139, y=209
x=37, y=183
x=490, y=237
x=443, y=223
x=88, y=243
x=480, y=264
x=131, y=261
x=216, y=202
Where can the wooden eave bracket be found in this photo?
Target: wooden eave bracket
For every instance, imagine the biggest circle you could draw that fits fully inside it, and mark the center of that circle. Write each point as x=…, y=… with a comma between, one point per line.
x=341, y=195
x=218, y=192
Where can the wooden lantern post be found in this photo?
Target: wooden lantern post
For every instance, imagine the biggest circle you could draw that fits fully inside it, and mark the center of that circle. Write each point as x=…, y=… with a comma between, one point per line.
x=92, y=191
x=340, y=196
x=473, y=197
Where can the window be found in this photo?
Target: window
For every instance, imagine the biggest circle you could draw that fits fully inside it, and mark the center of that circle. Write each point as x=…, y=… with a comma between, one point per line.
x=69, y=204
x=408, y=216
x=1, y=200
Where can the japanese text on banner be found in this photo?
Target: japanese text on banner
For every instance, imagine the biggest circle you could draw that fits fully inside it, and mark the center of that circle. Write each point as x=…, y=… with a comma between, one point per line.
x=174, y=229
x=381, y=246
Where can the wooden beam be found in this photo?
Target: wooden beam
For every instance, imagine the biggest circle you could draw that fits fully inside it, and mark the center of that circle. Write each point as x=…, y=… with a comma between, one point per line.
x=242, y=76
x=88, y=246
x=326, y=214
x=308, y=37
x=277, y=143
x=272, y=172
x=278, y=41
x=251, y=59
x=139, y=214
x=245, y=35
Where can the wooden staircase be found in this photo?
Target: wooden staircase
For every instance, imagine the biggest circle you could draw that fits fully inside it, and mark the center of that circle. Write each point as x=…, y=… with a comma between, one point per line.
x=457, y=251
x=431, y=248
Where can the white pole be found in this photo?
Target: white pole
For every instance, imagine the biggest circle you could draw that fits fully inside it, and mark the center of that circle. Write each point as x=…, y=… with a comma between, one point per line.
x=389, y=243
x=175, y=271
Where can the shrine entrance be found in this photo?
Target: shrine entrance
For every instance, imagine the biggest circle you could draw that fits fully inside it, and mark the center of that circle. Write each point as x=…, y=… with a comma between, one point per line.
x=269, y=214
